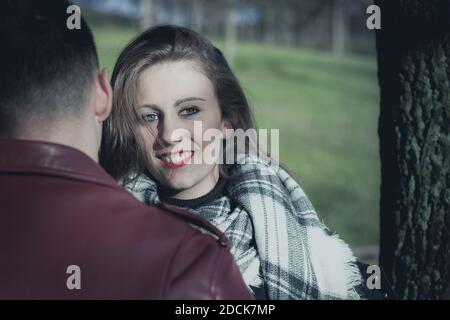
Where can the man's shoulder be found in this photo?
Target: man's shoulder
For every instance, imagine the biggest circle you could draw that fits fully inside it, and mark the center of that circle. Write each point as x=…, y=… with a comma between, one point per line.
x=117, y=202
x=188, y=248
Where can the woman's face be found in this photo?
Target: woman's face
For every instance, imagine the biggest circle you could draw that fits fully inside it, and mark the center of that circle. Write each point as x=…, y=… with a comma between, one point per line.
x=171, y=96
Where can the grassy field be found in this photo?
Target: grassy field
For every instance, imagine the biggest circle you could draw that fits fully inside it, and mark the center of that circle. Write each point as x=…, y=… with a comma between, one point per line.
x=327, y=112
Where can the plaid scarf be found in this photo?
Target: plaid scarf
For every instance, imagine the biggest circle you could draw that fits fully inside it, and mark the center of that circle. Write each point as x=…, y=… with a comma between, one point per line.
x=278, y=240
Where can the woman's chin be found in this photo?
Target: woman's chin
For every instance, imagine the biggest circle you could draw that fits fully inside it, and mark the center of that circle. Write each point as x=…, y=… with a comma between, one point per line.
x=179, y=185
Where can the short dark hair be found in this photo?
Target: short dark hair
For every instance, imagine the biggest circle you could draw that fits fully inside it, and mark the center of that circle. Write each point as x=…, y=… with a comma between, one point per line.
x=46, y=70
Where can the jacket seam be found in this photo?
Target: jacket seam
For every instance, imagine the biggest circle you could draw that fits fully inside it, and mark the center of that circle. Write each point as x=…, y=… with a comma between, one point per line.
x=214, y=281
x=172, y=260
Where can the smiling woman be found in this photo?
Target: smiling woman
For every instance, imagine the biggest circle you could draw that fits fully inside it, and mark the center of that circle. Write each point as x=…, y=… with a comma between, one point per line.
x=168, y=79
x=171, y=96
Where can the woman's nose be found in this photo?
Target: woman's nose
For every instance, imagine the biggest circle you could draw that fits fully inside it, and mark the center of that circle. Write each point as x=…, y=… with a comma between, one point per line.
x=169, y=131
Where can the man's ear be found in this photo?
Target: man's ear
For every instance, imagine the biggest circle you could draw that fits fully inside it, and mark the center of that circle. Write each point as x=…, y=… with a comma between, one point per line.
x=104, y=94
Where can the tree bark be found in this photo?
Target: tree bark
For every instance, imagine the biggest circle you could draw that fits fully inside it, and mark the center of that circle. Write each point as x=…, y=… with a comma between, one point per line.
x=414, y=73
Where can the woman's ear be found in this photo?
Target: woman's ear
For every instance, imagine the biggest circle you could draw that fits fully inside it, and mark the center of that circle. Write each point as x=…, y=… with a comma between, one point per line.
x=103, y=103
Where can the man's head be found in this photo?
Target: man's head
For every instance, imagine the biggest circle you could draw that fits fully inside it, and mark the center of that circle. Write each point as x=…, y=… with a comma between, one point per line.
x=50, y=85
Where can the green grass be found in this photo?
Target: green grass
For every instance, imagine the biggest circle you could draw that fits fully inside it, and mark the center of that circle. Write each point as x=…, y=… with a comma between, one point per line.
x=327, y=111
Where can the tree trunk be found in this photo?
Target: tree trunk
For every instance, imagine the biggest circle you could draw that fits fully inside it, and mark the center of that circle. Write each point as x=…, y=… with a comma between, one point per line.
x=146, y=14
x=230, y=32
x=267, y=23
x=414, y=71
x=197, y=15
x=339, y=27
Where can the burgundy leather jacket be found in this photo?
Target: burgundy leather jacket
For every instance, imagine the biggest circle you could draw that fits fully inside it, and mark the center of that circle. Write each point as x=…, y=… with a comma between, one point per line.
x=58, y=208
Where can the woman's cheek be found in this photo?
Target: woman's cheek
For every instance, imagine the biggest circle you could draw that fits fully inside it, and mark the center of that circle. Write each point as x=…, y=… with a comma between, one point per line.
x=148, y=141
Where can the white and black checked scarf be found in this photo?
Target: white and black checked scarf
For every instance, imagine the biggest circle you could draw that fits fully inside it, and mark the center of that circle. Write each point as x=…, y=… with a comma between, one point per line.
x=278, y=240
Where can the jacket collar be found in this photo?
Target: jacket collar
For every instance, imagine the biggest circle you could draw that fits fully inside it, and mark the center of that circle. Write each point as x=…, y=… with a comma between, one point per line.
x=36, y=157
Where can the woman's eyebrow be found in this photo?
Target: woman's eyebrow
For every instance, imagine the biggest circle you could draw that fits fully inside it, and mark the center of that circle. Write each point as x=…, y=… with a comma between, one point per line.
x=149, y=106
x=180, y=101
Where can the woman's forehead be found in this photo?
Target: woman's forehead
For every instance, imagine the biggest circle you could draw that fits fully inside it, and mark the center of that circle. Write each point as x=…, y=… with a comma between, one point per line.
x=165, y=83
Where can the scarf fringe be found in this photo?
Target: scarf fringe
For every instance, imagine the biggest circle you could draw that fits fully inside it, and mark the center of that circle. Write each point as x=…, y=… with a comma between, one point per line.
x=354, y=279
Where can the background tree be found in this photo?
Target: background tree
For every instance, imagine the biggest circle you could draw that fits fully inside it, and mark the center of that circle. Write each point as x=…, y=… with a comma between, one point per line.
x=339, y=27
x=197, y=16
x=230, y=31
x=414, y=73
x=146, y=8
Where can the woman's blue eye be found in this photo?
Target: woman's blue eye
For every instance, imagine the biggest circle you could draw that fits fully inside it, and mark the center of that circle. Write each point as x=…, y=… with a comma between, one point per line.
x=150, y=117
x=189, y=111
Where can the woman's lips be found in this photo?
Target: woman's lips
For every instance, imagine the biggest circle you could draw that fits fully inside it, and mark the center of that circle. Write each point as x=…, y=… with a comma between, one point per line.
x=175, y=160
